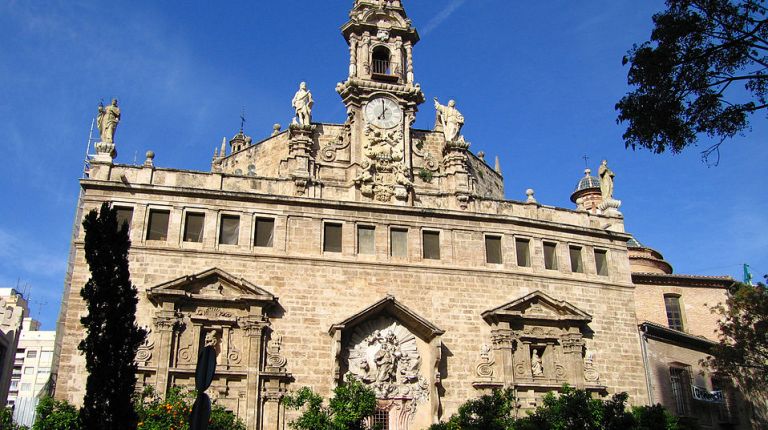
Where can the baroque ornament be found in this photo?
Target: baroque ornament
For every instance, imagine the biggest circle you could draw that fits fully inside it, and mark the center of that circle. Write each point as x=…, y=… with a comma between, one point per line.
x=384, y=355
x=384, y=172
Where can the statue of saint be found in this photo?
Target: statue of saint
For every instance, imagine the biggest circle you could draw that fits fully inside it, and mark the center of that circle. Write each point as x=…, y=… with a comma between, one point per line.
x=107, y=121
x=606, y=181
x=536, y=366
x=451, y=119
x=302, y=103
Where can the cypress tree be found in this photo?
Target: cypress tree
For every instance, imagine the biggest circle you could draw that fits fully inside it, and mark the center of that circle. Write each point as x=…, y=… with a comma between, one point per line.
x=112, y=337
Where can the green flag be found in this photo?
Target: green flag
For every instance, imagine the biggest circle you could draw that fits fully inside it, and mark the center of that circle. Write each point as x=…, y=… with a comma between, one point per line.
x=747, y=275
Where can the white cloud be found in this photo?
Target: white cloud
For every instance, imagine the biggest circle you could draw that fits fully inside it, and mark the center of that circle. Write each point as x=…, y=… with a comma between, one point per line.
x=28, y=258
x=441, y=17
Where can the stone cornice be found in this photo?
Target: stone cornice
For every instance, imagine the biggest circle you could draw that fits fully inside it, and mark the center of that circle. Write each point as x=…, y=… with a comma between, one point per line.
x=682, y=280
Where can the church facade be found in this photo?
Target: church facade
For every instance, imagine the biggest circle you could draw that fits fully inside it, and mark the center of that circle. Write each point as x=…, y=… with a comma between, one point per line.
x=368, y=248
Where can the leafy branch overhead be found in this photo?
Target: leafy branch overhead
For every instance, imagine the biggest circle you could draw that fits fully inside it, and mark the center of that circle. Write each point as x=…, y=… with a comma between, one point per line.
x=703, y=73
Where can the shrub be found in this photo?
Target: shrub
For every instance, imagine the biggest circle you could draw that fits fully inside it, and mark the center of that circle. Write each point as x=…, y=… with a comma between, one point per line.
x=6, y=420
x=173, y=412
x=351, y=404
x=489, y=412
x=56, y=415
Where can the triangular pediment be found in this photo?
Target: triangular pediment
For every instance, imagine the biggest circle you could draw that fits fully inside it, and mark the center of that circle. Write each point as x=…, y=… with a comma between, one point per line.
x=537, y=306
x=212, y=285
x=390, y=306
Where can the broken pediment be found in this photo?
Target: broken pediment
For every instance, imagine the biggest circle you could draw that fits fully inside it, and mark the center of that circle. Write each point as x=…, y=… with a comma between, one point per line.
x=391, y=307
x=212, y=285
x=537, y=306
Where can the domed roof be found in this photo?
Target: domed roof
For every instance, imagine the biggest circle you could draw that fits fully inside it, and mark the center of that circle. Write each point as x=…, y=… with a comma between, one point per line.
x=634, y=243
x=587, y=182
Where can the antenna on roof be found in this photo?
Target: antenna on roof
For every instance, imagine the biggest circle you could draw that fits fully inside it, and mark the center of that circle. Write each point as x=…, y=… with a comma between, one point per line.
x=242, y=119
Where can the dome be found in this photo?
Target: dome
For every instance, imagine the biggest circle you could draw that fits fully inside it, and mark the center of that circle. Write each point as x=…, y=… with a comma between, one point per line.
x=587, y=182
x=634, y=243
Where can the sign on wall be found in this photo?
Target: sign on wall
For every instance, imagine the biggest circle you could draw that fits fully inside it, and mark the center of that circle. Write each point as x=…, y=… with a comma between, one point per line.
x=704, y=395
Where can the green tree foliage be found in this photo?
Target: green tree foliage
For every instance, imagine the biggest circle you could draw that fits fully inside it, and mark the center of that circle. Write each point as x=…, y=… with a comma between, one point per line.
x=688, y=75
x=6, y=420
x=112, y=337
x=55, y=415
x=742, y=352
x=351, y=404
x=571, y=409
x=172, y=412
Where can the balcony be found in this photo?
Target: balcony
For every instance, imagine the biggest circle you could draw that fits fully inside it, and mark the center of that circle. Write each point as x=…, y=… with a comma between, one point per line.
x=382, y=71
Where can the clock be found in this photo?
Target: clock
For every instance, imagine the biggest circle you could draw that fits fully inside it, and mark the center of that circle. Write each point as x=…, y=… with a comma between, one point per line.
x=383, y=112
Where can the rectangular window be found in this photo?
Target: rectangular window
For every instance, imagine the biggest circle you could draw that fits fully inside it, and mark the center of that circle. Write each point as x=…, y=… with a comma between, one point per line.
x=680, y=388
x=14, y=385
x=365, y=240
x=380, y=419
x=332, y=237
x=398, y=242
x=43, y=371
x=124, y=216
x=158, y=225
x=431, y=244
x=493, y=249
x=26, y=386
x=674, y=313
x=193, y=227
x=576, y=264
x=264, y=236
x=32, y=353
x=29, y=370
x=46, y=356
x=229, y=231
x=550, y=256
x=523, y=249
x=601, y=262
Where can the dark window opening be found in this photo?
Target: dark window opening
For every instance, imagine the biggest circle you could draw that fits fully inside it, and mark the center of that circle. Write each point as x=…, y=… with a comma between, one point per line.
x=431, y=244
x=158, y=225
x=601, y=262
x=332, y=238
x=124, y=216
x=365, y=240
x=264, y=235
x=674, y=313
x=681, y=386
x=229, y=232
x=193, y=227
x=380, y=419
x=577, y=265
x=381, y=61
x=523, y=248
x=493, y=249
x=398, y=242
x=550, y=256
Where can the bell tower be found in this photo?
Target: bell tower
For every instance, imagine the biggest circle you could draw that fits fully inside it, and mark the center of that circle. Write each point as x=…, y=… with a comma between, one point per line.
x=381, y=98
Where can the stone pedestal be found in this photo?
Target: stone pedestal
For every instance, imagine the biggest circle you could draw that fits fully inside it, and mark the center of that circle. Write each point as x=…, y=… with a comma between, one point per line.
x=301, y=161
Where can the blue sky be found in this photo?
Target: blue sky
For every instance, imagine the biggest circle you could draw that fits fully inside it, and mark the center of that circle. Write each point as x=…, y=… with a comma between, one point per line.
x=536, y=81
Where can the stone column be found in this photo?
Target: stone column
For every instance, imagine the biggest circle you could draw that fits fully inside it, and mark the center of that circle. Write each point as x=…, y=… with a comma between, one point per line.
x=409, y=62
x=166, y=323
x=273, y=411
x=301, y=162
x=254, y=331
x=573, y=348
x=504, y=343
x=353, y=56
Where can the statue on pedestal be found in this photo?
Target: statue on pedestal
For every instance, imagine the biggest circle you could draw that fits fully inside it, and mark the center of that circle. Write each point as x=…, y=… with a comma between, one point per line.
x=606, y=181
x=536, y=365
x=451, y=119
x=107, y=121
x=302, y=103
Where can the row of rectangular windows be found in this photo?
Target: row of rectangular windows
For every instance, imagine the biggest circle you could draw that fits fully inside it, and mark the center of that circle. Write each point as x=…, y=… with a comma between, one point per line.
x=229, y=233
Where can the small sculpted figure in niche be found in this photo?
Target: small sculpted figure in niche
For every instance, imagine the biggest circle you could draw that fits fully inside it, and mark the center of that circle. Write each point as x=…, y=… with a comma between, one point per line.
x=302, y=103
x=107, y=121
x=606, y=181
x=211, y=339
x=451, y=119
x=536, y=365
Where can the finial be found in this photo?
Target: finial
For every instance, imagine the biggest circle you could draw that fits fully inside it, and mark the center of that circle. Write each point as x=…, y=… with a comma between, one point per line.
x=498, y=165
x=586, y=161
x=223, y=152
x=587, y=172
x=215, y=152
x=242, y=119
x=531, y=199
x=149, y=162
x=481, y=156
x=276, y=129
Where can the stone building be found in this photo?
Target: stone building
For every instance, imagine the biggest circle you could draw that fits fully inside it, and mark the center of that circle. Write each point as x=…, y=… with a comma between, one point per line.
x=369, y=248
x=13, y=310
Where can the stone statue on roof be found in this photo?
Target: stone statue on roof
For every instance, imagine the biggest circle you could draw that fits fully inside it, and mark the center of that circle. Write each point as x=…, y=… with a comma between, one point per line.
x=302, y=103
x=451, y=119
x=107, y=121
x=606, y=181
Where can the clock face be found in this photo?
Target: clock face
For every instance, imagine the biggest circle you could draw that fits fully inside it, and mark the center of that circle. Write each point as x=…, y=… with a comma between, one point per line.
x=383, y=112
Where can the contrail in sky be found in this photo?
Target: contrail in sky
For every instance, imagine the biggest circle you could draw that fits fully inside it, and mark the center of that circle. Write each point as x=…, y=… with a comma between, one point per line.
x=438, y=19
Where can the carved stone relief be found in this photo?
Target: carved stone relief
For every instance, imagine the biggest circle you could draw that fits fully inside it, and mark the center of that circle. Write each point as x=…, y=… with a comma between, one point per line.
x=485, y=369
x=384, y=355
x=383, y=170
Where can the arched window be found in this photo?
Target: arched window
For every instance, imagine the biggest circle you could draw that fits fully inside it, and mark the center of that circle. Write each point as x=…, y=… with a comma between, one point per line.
x=381, y=61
